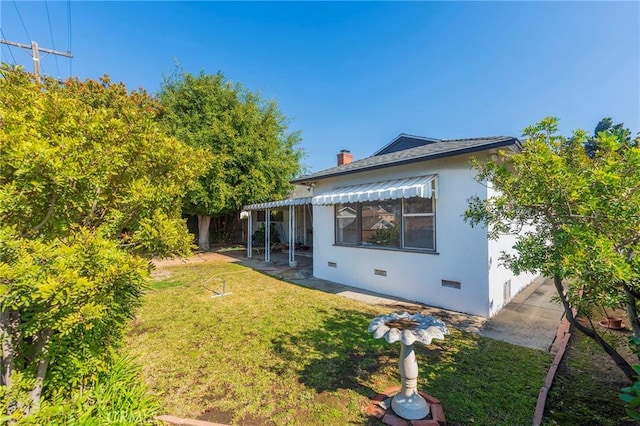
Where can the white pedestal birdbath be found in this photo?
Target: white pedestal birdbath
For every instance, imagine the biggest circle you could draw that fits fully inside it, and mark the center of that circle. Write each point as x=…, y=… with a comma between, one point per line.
x=407, y=329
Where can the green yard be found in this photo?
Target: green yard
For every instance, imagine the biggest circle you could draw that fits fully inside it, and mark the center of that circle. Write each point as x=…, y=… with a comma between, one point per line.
x=276, y=353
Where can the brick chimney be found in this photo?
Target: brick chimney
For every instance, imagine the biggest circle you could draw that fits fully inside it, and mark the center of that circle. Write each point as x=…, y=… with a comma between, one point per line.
x=345, y=157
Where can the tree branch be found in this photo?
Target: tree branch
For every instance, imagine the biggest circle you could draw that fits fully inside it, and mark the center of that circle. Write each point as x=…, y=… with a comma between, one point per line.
x=93, y=206
x=41, y=341
x=7, y=329
x=591, y=332
x=48, y=215
x=635, y=293
x=632, y=312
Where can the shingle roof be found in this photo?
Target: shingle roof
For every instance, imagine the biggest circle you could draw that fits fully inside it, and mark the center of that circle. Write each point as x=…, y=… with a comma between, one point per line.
x=430, y=151
x=405, y=141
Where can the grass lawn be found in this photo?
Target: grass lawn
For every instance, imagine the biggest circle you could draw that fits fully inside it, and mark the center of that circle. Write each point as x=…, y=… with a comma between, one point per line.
x=276, y=353
x=588, y=382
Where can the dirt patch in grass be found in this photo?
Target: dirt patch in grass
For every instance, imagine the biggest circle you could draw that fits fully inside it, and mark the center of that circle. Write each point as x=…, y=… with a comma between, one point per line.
x=200, y=257
x=216, y=416
x=586, y=388
x=160, y=274
x=223, y=417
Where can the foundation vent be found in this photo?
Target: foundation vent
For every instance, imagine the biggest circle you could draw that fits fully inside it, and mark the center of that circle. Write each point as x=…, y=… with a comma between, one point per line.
x=332, y=264
x=451, y=284
x=380, y=272
x=506, y=291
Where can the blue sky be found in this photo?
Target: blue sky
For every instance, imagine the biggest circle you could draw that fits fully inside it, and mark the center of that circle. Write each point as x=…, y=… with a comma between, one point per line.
x=355, y=75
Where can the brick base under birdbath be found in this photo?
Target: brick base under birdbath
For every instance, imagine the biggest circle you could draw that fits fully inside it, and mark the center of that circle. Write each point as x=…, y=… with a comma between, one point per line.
x=380, y=407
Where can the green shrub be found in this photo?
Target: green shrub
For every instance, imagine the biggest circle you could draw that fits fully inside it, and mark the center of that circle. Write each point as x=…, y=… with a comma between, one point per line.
x=118, y=397
x=163, y=236
x=631, y=395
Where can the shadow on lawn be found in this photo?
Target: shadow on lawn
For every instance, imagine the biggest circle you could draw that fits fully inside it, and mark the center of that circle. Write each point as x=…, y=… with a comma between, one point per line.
x=339, y=353
x=478, y=380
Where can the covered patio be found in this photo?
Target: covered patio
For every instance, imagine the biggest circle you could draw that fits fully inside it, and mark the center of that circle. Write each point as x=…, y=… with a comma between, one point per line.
x=297, y=214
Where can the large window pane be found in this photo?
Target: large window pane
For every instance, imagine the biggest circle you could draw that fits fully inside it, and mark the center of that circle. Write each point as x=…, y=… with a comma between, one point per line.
x=381, y=223
x=346, y=224
x=418, y=205
x=419, y=232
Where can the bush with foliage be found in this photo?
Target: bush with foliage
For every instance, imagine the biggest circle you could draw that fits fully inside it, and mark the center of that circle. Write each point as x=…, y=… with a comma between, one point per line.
x=115, y=397
x=260, y=235
x=386, y=237
x=80, y=162
x=631, y=395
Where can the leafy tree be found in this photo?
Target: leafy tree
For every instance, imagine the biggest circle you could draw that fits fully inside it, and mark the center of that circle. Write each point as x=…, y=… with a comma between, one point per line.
x=254, y=156
x=578, y=217
x=606, y=125
x=88, y=182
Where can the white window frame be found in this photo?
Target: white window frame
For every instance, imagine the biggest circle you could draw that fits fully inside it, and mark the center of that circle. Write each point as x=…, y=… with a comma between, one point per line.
x=358, y=208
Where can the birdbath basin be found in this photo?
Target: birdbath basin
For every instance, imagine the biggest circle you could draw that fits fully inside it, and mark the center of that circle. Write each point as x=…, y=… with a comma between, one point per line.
x=407, y=329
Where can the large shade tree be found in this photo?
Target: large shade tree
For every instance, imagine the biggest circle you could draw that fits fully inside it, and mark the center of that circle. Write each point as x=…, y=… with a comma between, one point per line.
x=88, y=183
x=254, y=156
x=606, y=125
x=577, y=212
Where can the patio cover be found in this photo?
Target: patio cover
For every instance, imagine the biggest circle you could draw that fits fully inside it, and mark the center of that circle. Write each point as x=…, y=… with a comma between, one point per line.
x=421, y=186
x=290, y=203
x=281, y=203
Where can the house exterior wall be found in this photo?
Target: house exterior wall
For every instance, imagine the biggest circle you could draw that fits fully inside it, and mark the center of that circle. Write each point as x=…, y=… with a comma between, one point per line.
x=504, y=284
x=461, y=251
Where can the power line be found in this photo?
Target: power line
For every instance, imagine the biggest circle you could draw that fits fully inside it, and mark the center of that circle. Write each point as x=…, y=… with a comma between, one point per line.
x=20, y=16
x=35, y=51
x=9, y=48
x=53, y=43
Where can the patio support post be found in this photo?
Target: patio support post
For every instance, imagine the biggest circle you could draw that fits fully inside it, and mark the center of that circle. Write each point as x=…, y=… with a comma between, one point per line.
x=267, y=235
x=292, y=237
x=304, y=225
x=250, y=235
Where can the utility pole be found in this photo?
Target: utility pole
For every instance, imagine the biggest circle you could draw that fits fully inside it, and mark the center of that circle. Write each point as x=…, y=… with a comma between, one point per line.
x=35, y=51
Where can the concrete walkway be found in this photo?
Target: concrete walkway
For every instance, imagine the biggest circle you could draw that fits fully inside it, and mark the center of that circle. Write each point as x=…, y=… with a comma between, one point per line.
x=531, y=319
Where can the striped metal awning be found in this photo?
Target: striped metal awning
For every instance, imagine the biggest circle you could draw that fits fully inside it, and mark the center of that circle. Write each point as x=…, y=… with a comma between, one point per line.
x=281, y=203
x=421, y=186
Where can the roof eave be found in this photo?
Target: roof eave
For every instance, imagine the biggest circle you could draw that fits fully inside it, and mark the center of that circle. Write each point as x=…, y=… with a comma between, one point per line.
x=513, y=143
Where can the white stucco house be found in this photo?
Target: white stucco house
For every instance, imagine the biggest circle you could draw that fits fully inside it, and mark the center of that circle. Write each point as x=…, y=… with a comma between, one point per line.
x=393, y=223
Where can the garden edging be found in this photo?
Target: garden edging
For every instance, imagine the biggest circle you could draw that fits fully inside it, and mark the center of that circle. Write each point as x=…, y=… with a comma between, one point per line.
x=559, y=346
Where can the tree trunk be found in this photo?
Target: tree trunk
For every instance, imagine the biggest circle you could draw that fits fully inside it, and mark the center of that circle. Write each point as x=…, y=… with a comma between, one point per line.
x=622, y=363
x=41, y=342
x=8, y=328
x=632, y=313
x=203, y=232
